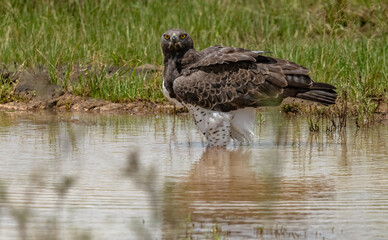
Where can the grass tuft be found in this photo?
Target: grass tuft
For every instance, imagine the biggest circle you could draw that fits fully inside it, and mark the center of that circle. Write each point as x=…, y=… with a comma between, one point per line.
x=7, y=90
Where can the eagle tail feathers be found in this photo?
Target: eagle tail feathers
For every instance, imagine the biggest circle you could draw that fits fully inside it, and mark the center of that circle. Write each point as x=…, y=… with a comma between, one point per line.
x=320, y=92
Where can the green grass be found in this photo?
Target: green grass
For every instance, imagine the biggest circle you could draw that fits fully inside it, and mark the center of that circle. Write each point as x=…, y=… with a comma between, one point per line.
x=343, y=42
x=6, y=90
x=123, y=85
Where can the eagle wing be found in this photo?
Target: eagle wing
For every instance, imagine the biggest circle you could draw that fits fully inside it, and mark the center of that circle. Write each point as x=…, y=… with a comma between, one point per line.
x=227, y=78
x=221, y=55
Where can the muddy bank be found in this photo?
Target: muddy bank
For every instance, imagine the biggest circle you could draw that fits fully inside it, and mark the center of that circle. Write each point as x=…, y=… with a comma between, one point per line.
x=33, y=90
x=70, y=102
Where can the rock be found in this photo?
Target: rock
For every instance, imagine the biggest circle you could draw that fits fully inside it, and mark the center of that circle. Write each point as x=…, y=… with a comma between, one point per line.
x=37, y=86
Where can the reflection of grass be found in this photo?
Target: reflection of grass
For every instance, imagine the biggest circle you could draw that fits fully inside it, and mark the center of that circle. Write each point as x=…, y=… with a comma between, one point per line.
x=215, y=232
x=3, y=193
x=363, y=113
x=343, y=42
x=22, y=214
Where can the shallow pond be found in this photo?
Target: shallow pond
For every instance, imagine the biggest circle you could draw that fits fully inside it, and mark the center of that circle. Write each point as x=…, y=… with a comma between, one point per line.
x=84, y=176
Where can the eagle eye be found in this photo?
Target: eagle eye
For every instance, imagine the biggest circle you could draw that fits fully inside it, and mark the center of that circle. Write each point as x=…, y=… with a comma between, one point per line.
x=166, y=37
x=183, y=36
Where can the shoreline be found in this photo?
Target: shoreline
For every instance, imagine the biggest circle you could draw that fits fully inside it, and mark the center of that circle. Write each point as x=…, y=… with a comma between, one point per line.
x=32, y=90
x=71, y=103
x=68, y=102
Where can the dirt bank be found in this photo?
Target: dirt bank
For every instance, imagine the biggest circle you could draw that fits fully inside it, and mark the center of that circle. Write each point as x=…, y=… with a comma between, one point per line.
x=34, y=91
x=70, y=102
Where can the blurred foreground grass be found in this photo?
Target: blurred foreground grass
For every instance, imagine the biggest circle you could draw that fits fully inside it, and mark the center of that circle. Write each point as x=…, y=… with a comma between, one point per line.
x=343, y=42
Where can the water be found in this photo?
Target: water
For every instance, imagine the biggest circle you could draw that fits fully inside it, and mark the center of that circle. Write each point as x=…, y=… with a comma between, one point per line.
x=85, y=176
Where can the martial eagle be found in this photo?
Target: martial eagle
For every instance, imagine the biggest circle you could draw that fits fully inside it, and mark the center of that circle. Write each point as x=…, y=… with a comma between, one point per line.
x=222, y=86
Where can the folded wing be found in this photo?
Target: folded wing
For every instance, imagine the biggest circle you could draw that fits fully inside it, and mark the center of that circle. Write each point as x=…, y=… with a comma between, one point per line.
x=227, y=78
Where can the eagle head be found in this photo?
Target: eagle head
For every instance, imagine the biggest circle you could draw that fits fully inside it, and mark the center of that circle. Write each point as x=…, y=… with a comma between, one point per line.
x=175, y=41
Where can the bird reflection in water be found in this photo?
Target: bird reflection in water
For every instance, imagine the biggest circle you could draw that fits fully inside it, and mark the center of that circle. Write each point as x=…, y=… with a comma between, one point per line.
x=229, y=188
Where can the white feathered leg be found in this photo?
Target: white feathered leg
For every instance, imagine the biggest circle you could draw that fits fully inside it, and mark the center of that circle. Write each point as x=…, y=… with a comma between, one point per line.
x=220, y=127
x=218, y=131
x=242, y=124
x=215, y=126
x=200, y=116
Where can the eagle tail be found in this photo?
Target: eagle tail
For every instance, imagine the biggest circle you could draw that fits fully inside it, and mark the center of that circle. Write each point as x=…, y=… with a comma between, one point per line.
x=320, y=92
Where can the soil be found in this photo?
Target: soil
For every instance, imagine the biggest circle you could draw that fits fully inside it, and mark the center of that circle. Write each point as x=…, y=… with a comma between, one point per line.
x=34, y=91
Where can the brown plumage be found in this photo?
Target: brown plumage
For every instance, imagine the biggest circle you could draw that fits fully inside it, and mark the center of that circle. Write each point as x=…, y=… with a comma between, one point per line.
x=226, y=79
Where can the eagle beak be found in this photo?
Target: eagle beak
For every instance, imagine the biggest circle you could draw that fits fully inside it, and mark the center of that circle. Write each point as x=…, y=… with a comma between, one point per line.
x=174, y=39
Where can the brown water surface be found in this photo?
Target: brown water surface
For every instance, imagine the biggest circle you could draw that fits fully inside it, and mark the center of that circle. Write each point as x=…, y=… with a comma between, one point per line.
x=84, y=176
